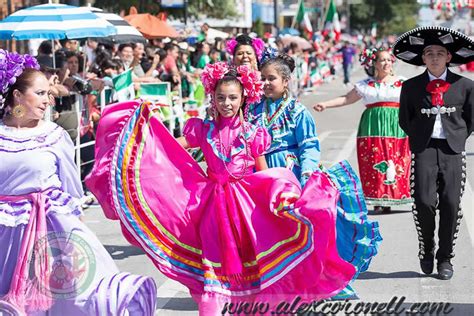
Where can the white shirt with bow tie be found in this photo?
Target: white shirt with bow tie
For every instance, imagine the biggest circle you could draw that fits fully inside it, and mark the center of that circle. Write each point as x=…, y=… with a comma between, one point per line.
x=438, y=131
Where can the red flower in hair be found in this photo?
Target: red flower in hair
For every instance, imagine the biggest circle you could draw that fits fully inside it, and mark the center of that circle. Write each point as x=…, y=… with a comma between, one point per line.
x=437, y=88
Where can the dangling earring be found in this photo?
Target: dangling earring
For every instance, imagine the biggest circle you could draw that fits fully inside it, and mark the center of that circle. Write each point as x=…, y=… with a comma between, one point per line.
x=241, y=115
x=286, y=94
x=18, y=111
x=246, y=113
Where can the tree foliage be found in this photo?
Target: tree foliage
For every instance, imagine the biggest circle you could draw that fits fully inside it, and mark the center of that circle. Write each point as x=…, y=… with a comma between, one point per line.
x=117, y=6
x=220, y=9
x=391, y=16
x=258, y=28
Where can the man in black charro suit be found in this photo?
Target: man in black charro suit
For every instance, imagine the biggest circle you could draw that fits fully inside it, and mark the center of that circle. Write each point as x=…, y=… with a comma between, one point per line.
x=436, y=112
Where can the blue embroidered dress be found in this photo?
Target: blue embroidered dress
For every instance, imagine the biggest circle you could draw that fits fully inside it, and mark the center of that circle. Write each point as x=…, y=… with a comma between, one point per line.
x=295, y=145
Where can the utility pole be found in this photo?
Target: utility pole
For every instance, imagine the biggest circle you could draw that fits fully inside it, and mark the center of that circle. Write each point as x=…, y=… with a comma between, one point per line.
x=348, y=23
x=324, y=11
x=275, y=14
x=10, y=9
x=185, y=12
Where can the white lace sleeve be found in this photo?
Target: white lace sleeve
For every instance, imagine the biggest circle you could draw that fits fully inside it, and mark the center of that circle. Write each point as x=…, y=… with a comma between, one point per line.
x=361, y=87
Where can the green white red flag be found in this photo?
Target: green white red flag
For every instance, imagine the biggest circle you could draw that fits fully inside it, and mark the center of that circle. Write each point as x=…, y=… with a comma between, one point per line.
x=332, y=25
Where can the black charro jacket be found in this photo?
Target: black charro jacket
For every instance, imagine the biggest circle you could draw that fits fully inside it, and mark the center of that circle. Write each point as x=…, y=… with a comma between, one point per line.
x=457, y=126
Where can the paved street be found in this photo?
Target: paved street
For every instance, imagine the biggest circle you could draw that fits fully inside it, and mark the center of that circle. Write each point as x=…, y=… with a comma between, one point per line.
x=394, y=272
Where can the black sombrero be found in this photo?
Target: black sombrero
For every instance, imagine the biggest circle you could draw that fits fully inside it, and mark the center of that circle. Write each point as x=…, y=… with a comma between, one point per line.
x=410, y=45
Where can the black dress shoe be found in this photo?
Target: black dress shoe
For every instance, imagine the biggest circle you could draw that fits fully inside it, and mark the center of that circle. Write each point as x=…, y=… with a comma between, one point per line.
x=445, y=270
x=386, y=210
x=427, y=264
x=378, y=209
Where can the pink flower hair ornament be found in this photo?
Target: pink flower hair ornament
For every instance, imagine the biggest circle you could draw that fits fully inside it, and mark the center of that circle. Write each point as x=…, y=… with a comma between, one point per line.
x=250, y=79
x=258, y=46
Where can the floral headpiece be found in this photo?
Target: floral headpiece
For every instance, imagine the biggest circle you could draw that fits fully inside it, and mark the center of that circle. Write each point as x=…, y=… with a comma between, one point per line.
x=368, y=56
x=250, y=79
x=11, y=66
x=269, y=53
x=257, y=44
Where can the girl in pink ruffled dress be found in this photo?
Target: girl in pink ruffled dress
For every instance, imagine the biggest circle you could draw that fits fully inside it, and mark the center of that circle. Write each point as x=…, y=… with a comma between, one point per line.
x=238, y=232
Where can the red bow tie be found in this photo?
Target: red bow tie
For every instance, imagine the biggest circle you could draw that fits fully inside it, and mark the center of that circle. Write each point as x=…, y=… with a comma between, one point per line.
x=437, y=88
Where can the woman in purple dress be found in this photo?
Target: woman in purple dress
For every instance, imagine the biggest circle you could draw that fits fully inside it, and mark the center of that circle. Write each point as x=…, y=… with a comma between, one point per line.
x=50, y=262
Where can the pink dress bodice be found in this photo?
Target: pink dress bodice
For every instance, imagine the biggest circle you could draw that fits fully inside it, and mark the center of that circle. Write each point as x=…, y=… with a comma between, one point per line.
x=228, y=146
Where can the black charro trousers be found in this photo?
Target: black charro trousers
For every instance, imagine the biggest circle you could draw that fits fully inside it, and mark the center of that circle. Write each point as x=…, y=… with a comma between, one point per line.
x=438, y=180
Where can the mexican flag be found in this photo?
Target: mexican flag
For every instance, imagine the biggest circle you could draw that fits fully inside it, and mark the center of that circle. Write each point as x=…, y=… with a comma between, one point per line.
x=449, y=5
x=332, y=25
x=324, y=69
x=302, y=19
x=158, y=93
x=123, y=86
x=315, y=77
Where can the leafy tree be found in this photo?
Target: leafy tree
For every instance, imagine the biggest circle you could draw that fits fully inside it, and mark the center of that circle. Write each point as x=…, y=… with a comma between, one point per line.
x=405, y=19
x=391, y=16
x=258, y=28
x=119, y=5
x=220, y=9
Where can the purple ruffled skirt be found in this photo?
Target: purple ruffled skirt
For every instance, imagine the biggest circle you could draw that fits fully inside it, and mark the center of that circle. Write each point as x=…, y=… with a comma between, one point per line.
x=84, y=278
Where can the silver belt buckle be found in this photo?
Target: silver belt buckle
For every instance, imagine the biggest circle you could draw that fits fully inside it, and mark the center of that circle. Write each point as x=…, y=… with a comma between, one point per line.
x=450, y=110
x=438, y=109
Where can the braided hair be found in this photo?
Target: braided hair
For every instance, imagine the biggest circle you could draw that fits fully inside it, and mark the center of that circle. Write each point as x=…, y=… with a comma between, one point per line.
x=284, y=64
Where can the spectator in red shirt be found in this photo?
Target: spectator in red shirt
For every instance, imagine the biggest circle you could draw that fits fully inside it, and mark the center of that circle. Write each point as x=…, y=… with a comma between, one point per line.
x=170, y=63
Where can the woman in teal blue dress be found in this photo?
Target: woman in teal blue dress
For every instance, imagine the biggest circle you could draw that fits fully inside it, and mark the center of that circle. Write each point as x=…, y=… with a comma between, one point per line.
x=295, y=145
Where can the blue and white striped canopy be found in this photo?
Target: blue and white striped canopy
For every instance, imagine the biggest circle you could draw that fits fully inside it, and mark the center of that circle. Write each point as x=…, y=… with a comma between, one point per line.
x=125, y=32
x=54, y=21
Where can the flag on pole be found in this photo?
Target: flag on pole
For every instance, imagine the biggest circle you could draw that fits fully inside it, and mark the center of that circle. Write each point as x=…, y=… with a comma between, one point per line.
x=123, y=86
x=302, y=18
x=157, y=92
x=160, y=94
x=332, y=25
x=315, y=77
